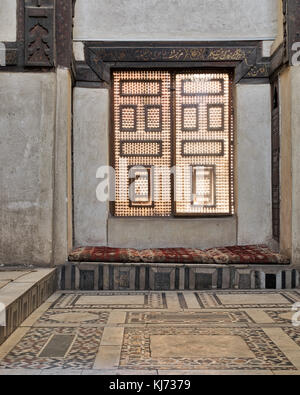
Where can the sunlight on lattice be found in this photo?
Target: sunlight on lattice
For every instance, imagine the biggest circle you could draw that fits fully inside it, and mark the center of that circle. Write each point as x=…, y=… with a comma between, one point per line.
x=203, y=144
x=142, y=137
x=144, y=133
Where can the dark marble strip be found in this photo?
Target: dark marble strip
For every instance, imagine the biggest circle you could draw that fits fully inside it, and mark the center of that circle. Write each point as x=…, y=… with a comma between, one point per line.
x=182, y=301
x=137, y=278
x=292, y=301
x=231, y=281
x=74, y=301
x=57, y=301
x=164, y=300
x=100, y=277
x=294, y=278
x=146, y=300
x=73, y=277
x=283, y=279
x=63, y=277
x=199, y=300
x=111, y=277
x=218, y=300
x=177, y=272
x=270, y=281
x=257, y=280
x=220, y=278
x=186, y=278
x=147, y=283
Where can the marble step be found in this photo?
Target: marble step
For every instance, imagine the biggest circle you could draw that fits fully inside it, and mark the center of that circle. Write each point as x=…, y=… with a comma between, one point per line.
x=21, y=293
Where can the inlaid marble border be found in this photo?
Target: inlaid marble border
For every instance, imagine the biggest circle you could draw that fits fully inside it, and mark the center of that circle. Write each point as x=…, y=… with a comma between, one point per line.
x=81, y=355
x=136, y=352
x=293, y=333
x=153, y=300
x=212, y=299
x=276, y=316
x=191, y=317
x=48, y=319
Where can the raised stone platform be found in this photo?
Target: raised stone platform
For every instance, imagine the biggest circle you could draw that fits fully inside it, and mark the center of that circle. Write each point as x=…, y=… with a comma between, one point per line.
x=22, y=291
x=164, y=277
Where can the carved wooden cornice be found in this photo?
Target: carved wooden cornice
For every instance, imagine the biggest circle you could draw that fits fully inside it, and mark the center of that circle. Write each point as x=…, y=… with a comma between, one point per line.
x=44, y=40
x=244, y=56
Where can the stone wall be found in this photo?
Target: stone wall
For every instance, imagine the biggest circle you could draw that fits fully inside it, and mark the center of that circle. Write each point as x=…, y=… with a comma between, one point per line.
x=27, y=125
x=36, y=161
x=90, y=143
x=280, y=32
x=35, y=168
x=290, y=163
x=252, y=223
x=253, y=164
x=296, y=164
x=175, y=19
x=8, y=20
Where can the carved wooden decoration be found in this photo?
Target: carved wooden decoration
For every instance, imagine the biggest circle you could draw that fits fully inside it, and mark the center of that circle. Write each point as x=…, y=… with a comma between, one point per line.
x=39, y=37
x=245, y=57
x=64, y=13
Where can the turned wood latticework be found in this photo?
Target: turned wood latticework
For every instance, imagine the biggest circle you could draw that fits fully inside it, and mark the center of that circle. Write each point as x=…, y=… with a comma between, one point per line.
x=173, y=143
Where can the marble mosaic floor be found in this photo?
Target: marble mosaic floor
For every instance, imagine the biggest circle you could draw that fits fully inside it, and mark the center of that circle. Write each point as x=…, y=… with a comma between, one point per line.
x=203, y=332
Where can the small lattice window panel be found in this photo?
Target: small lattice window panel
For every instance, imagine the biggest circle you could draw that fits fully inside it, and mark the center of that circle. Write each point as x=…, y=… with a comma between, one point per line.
x=203, y=144
x=142, y=143
x=148, y=143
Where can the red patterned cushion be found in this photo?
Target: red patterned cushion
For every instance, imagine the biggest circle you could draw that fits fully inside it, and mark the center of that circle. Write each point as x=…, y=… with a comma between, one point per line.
x=255, y=254
x=175, y=255
x=104, y=254
x=259, y=254
x=81, y=254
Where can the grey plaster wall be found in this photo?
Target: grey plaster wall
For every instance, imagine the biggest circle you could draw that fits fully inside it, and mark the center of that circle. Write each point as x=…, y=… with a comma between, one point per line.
x=280, y=30
x=27, y=124
x=171, y=232
x=253, y=163
x=62, y=205
x=90, y=145
x=286, y=163
x=290, y=163
x=253, y=186
x=175, y=19
x=8, y=20
x=295, y=71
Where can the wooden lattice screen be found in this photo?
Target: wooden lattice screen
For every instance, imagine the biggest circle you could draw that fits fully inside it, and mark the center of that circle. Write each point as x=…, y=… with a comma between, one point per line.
x=162, y=119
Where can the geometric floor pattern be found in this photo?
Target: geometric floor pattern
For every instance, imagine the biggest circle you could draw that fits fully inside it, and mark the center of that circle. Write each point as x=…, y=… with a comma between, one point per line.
x=111, y=332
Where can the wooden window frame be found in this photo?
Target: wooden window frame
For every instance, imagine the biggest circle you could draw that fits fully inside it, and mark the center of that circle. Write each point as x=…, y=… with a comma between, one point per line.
x=173, y=71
